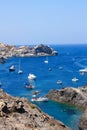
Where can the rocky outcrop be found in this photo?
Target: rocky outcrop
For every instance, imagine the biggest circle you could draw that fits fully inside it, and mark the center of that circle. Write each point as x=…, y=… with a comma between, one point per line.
x=41, y=49
x=19, y=114
x=21, y=51
x=75, y=96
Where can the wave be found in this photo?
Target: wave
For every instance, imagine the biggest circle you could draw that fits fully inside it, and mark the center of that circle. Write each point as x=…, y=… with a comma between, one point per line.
x=80, y=65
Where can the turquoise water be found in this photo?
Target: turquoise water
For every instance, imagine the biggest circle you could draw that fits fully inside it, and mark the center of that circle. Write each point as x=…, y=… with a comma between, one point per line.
x=71, y=58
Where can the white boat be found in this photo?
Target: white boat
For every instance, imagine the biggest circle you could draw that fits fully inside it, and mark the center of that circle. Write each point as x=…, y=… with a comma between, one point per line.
x=33, y=95
x=46, y=61
x=59, y=82
x=31, y=76
x=83, y=70
x=75, y=79
x=40, y=99
x=12, y=68
x=20, y=71
x=29, y=86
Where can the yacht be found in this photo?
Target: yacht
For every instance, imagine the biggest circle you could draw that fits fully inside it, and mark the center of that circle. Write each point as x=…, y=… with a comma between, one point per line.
x=20, y=71
x=29, y=86
x=46, y=61
x=40, y=99
x=31, y=76
x=59, y=82
x=75, y=79
x=83, y=70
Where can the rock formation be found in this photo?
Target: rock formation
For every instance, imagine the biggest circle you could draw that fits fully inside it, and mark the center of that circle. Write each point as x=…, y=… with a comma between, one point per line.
x=21, y=51
x=19, y=114
x=83, y=121
x=75, y=96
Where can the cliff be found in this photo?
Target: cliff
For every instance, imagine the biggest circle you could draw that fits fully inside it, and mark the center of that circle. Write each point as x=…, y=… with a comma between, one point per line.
x=19, y=114
x=75, y=96
x=22, y=51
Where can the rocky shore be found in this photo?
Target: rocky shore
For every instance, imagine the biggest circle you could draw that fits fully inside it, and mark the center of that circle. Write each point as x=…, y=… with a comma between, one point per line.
x=19, y=114
x=74, y=96
x=22, y=51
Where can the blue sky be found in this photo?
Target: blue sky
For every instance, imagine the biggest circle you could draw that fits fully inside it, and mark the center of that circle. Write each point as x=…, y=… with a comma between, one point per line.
x=43, y=21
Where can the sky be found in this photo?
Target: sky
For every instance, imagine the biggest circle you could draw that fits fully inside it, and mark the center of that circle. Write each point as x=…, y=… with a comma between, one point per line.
x=43, y=21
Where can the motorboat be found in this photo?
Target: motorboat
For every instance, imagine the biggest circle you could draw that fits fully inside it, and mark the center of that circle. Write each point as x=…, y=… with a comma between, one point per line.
x=29, y=86
x=75, y=79
x=59, y=82
x=20, y=71
x=46, y=61
x=12, y=68
x=83, y=70
x=36, y=92
x=40, y=99
x=31, y=76
x=33, y=95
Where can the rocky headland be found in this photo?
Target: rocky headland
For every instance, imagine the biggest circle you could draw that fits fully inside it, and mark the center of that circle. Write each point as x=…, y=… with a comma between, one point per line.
x=74, y=96
x=19, y=114
x=22, y=51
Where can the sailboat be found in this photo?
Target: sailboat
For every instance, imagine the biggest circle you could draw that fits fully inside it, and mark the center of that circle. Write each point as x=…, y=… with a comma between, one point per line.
x=75, y=79
x=20, y=71
x=46, y=61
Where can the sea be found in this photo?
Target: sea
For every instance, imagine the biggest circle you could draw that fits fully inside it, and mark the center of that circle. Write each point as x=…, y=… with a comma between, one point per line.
x=64, y=67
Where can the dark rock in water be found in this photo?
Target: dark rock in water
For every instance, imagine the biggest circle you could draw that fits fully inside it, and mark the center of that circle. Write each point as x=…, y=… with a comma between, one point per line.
x=19, y=114
x=43, y=49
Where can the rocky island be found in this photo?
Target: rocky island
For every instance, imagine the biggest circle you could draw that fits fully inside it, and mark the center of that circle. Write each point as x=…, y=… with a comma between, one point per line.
x=74, y=96
x=22, y=51
x=19, y=114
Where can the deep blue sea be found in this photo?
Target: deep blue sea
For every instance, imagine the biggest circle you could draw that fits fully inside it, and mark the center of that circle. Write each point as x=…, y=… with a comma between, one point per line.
x=71, y=58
